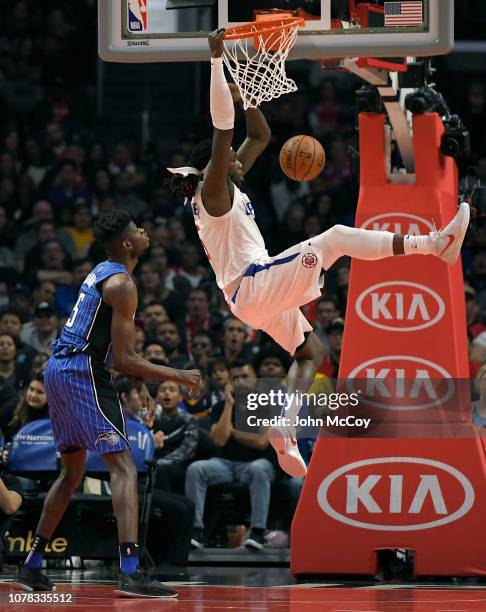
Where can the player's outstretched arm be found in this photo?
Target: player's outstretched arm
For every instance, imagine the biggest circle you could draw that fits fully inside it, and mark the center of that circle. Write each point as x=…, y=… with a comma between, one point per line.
x=258, y=133
x=215, y=190
x=120, y=293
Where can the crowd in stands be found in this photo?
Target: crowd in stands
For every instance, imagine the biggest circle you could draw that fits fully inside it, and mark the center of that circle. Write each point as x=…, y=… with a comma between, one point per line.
x=57, y=176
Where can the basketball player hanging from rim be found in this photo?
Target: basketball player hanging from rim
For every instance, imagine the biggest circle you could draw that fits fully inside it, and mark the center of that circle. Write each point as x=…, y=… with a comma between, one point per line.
x=266, y=292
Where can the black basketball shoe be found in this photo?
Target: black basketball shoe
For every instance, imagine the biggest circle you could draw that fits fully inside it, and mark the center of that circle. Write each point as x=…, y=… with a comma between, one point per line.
x=29, y=579
x=139, y=584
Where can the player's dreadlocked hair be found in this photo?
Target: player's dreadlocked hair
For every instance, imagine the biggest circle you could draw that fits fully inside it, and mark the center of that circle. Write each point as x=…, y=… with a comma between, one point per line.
x=186, y=186
x=111, y=225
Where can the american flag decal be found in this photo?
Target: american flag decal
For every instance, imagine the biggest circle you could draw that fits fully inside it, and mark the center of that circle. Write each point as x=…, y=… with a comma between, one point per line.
x=404, y=13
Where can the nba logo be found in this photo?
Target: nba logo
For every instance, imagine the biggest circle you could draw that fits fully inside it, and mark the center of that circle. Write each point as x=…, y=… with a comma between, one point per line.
x=137, y=16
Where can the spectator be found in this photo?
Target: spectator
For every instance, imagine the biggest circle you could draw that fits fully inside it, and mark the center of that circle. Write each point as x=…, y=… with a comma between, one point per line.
x=330, y=364
x=44, y=291
x=66, y=295
x=219, y=377
x=479, y=406
x=102, y=187
x=38, y=364
x=202, y=350
x=28, y=247
x=234, y=338
x=12, y=377
x=172, y=298
x=326, y=116
x=473, y=313
x=20, y=301
x=11, y=324
x=42, y=331
x=151, y=289
x=326, y=311
x=168, y=336
x=190, y=268
x=127, y=198
x=172, y=515
x=154, y=350
x=176, y=436
x=66, y=192
x=32, y=405
x=56, y=143
x=139, y=338
x=153, y=314
x=53, y=266
x=272, y=362
x=342, y=279
x=81, y=231
x=7, y=259
x=243, y=459
x=197, y=317
x=34, y=165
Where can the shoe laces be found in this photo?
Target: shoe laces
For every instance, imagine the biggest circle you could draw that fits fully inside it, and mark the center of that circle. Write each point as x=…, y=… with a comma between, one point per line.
x=437, y=234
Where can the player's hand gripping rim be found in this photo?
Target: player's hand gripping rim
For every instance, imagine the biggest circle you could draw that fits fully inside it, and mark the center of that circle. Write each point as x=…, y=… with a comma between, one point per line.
x=216, y=42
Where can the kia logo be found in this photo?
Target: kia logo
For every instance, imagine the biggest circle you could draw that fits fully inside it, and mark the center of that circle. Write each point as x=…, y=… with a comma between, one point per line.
x=411, y=383
x=394, y=493
x=399, y=223
x=400, y=306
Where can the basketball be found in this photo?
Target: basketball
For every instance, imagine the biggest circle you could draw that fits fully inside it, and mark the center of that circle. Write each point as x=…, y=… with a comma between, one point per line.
x=302, y=158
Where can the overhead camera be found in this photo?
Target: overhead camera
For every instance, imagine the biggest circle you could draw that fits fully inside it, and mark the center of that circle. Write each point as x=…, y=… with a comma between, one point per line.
x=426, y=100
x=455, y=140
x=368, y=100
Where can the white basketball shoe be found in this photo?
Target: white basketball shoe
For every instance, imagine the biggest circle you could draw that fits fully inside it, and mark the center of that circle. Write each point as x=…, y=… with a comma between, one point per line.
x=284, y=441
x=448, y=241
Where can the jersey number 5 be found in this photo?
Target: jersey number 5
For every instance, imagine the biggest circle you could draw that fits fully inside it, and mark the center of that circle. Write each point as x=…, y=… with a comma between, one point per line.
x=74, y=314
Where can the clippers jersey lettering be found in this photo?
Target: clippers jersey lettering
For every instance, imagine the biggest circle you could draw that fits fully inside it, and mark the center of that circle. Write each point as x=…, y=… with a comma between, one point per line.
x=88, y=329
x=233, y=241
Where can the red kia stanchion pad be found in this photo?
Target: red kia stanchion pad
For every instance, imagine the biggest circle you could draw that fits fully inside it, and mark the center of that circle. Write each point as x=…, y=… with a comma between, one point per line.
x=416, y=478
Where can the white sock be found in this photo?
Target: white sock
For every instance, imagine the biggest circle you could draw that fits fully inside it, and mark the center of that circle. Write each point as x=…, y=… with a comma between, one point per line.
x=418, y=245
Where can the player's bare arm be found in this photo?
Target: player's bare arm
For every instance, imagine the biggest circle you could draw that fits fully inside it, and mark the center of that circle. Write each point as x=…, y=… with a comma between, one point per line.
x=258, y=134
x=217, y=190
x=120, y=293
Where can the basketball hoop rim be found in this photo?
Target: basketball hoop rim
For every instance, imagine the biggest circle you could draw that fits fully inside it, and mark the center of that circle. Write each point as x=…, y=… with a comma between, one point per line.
x=265, y=26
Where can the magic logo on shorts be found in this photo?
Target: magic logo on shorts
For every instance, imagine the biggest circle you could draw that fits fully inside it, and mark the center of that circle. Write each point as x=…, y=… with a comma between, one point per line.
x=309, y=260
x=110, y=437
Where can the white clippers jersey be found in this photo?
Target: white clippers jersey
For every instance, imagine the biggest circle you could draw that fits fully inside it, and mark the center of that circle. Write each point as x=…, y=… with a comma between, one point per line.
x=233, y=241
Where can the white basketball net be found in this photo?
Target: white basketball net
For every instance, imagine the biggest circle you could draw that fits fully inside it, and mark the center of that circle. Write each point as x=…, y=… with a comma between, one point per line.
x=259, y=70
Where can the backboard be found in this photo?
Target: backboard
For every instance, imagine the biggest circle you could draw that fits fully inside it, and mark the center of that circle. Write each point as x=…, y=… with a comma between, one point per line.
x=177, y=30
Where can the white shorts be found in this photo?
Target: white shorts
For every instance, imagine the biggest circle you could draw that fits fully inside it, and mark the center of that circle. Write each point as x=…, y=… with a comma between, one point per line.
x=272, y=291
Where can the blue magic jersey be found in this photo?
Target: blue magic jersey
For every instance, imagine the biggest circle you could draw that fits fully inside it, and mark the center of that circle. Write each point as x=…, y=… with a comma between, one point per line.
x=88, y=329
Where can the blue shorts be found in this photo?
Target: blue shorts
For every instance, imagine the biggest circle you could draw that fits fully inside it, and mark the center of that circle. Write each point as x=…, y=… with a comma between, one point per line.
x=83, y=405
